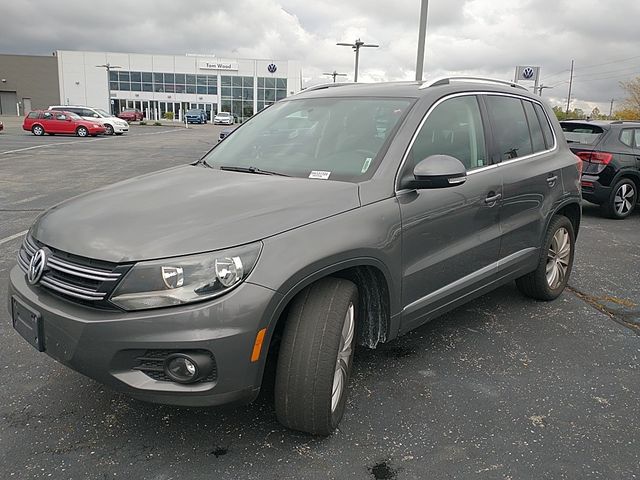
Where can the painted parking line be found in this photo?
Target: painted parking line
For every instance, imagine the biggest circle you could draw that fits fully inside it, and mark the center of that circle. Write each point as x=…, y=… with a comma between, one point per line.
x=13, y=237
x=49, y=145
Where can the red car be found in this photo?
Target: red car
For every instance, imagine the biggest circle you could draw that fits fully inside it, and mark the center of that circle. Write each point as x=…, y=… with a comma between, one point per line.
x=52, y=122
x=131, y=115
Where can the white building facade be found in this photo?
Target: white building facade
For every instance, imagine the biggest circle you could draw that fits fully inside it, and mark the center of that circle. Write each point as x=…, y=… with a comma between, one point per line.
x=165, y=86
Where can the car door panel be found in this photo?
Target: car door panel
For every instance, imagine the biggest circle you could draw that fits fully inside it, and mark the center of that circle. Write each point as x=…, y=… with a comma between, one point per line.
x=450, y=236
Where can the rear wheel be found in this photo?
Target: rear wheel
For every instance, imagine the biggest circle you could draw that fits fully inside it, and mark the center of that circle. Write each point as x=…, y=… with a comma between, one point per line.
x=622, y=200
x=316, y=356
x=37, y=130
x=108, y=129
x=82, y=131
x=548, y=280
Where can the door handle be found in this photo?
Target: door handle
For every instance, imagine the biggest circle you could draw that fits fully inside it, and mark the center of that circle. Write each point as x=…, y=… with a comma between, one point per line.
x=551, y=180
x=492, y=198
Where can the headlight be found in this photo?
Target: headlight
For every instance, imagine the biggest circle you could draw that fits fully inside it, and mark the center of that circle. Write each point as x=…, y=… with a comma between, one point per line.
x=96, y=126
x=180, y=280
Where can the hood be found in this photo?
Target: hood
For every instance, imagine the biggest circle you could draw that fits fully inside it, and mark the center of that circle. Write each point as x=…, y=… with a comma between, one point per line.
x=185, y=210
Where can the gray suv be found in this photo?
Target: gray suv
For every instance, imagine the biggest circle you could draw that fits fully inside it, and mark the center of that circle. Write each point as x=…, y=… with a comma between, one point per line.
x=346, y=215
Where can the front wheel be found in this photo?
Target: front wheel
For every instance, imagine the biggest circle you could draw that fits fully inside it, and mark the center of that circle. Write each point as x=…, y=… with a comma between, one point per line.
x=316, y=356
x=108, y=129
x=82, y=131
x=622, y=200
x=37, y=130
x=548, y=280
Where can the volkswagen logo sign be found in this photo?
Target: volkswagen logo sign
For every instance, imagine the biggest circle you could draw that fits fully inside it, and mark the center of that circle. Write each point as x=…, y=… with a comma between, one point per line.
x=272, y=68
x=528, y=73
x=37, y=266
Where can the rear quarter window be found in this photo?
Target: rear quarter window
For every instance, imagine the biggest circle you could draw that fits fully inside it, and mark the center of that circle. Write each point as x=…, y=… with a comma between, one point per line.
x=32, y=115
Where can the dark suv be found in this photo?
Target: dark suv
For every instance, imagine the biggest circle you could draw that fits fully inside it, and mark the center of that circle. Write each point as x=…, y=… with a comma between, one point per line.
x=611, y=155
x=347, y=214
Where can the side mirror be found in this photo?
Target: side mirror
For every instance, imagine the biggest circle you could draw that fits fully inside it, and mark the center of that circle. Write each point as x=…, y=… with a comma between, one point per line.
x=95, y=115
x=69, y=119
x=438, y=171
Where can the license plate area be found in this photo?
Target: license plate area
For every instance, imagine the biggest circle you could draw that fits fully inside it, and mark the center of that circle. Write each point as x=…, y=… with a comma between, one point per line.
x=28, y=323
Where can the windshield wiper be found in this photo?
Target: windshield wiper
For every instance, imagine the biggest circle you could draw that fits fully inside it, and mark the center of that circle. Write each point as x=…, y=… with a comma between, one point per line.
x=255, y=170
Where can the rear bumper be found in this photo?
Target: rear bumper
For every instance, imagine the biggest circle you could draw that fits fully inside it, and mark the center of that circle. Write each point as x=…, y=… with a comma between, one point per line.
x=593, y=191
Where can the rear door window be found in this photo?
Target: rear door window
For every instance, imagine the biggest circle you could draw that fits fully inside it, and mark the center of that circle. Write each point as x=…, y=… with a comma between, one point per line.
x=510, y=128
x=626, y=137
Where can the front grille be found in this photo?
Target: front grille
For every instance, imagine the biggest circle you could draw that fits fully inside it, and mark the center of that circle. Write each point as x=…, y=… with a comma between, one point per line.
x=151, y=363
x=73, y=277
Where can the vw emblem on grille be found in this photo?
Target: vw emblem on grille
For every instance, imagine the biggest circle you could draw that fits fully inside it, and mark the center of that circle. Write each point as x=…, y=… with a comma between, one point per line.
x=37, y=266
x=528, y=73
x=272, y=68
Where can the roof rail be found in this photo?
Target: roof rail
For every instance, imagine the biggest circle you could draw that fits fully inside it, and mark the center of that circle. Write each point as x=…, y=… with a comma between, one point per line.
x=320, y=86
x=618, y=122
x=448, y=80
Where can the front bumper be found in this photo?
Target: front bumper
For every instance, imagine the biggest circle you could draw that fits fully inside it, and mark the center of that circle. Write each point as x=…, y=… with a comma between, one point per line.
x=120, y=128
x=103, y=345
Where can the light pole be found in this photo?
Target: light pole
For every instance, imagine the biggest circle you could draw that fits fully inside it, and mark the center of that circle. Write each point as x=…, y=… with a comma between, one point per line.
x=335, y=74
x=109, y=67
x=356, y=48
x=543, y=87
x=422, y=36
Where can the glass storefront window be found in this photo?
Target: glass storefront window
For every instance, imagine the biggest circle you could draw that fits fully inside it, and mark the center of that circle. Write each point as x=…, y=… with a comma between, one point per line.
x=147, y=77
x=158, y=78
x=202, y=90
x=180, y=78
x=247, y=82
x=147, y=87
x=281, y=83
x=236, y=81
x=125, y=86
x=269, y=83
x=113, y=76
x=180, y=88
x=124, y=76
x=190, y=79
x=226, y=80
x=212, y=90
x=169, y=78
x=136, y=77
x=136, y=87
x=202, y=79
x=191, y=89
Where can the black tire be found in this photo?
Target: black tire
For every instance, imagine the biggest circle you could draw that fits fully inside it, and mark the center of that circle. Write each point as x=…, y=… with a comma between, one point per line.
x=37, y=130
x=82, y=131
x=535, y=284
x=622, y=200
x=308, y=357
x=108, y=129
x=119, y=133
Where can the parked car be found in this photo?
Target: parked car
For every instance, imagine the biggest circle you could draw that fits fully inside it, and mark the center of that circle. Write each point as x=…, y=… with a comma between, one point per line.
x=1, y=126
x=611, y=155
x=131, y=115
x=40, y=122
x=196, y=115
x=223, y=118
x=392, y=205
x=224, y=133
x=112, y=124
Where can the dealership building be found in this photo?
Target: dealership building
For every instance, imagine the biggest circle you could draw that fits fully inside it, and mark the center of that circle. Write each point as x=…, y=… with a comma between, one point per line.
x=158, y=85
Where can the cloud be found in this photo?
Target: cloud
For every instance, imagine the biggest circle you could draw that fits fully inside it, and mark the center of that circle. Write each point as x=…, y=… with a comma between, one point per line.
x=474, y=37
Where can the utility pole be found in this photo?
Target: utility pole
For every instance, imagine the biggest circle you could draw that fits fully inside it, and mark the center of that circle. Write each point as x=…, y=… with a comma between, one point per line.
x=542, y=87
x=109, y=67
x=570, y=85
x=335, y=74
x=356, y=48
x=422, y=36
x=611, y=108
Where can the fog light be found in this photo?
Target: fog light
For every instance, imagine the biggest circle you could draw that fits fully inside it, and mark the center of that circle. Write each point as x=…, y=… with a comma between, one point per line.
x=183, y=368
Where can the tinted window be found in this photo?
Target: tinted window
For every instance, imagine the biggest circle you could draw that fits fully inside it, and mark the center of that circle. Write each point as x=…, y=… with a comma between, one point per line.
x=584, y=133
x=626, y=137
x=47, y=115
x=537, y=138
x=453, y=128
x=546, y=128
x=637, y=142
x=510, y=128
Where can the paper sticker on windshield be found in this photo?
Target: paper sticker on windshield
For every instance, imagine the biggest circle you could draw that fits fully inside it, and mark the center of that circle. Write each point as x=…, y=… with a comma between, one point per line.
x=366, y=165
x=319, y=174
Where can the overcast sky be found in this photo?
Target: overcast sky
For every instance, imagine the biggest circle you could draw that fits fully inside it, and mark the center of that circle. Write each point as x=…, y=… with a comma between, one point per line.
x=476, y=37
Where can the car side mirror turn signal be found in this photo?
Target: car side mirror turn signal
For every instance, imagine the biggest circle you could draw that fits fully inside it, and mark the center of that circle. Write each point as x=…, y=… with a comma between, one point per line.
x=438, y=171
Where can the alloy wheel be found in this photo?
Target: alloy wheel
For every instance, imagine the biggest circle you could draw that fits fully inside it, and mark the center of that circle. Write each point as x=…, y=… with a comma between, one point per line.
x=558, y=258
x=343, y=361
x=624, y=198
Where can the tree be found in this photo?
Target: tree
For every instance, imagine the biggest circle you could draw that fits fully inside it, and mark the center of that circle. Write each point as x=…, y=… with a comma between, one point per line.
x=632, y=101
x=626, y=114
x=562, y=115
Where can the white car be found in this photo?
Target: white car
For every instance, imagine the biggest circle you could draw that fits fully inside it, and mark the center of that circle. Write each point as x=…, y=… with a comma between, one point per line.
x=112, y=124
x=224, y=118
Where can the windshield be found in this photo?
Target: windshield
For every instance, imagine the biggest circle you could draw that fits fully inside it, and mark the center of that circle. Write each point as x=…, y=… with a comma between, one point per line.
x=75, y=116
x=194, y=112
x=323, y=138
x=583, y=133
x=224, y=114
x=101, y=112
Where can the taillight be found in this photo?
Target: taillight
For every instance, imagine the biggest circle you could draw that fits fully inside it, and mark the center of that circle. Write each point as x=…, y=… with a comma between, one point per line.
x=596, y=157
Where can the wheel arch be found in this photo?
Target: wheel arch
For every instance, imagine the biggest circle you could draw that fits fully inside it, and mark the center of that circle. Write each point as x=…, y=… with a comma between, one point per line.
x=572, y=209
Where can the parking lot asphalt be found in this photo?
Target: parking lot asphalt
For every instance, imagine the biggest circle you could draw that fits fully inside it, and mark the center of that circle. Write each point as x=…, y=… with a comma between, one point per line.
x=503, y=387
